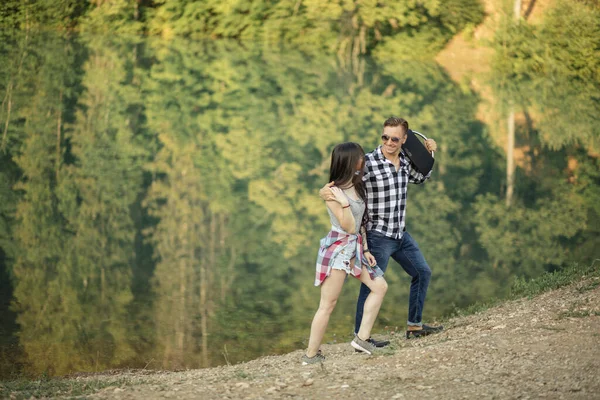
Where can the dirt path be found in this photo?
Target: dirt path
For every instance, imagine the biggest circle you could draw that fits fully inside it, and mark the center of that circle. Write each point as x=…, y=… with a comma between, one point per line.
x=547, y=347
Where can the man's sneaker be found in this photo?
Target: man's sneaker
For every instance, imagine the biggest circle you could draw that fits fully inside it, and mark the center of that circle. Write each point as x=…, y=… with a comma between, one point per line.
x=376, y=343
x=424, y=331
x=317, y=358
x=363, y=345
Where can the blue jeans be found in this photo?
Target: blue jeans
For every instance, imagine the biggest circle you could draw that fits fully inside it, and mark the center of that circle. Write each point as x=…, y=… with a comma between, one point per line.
x=406, y=252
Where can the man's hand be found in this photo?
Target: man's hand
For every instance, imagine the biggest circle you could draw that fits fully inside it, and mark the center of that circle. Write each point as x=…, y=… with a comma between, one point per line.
x=431, y=145
x=339, y=196
x=326, y=194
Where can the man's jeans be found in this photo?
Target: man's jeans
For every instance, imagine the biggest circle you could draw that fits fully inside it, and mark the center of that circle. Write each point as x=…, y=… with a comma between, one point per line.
x=406, y=252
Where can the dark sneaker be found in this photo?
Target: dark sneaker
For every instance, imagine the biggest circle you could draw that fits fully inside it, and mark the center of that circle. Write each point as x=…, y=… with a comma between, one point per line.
x=317, y=358
x=363, y=345
x=376, y=343
x=424, y=331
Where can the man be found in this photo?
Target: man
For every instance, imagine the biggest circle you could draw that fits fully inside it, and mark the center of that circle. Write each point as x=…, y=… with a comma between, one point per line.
x=387, y=174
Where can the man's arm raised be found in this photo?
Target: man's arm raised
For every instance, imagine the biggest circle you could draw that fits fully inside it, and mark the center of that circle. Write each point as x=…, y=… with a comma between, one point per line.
x=325, y=193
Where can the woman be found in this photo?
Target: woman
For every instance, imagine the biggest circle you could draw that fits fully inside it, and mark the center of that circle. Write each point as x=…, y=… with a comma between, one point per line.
x=344, y=251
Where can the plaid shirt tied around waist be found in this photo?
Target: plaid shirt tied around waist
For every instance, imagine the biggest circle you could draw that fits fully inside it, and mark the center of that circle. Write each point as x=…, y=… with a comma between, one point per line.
x=330, y=247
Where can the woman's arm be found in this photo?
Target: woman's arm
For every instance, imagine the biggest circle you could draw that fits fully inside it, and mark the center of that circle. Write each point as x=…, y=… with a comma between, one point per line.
x=343, y=215
x=340, y=207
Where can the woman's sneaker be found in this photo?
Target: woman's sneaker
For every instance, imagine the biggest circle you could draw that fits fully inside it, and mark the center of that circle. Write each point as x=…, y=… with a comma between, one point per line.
x=363, y=345
x=376, y=343
x=317, y=358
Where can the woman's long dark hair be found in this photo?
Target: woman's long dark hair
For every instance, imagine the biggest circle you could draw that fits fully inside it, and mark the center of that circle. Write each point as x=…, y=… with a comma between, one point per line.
x=344, y=158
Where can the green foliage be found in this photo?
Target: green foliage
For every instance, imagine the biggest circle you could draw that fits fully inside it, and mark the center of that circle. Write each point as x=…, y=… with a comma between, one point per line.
x=342, y=26
x=550, y=280
x=528, y=236
x=39, y=14
x=44, y=387
x=552, y=70
x=8, y=177
x=554, y=280
x=159, y=198
x=116, y=16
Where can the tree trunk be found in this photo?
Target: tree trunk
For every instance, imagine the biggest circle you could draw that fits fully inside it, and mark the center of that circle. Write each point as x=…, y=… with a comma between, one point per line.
x=8, y=109
x=510, y=145
x=517, y=9
x=203, y=303
x=529, y=9
x=58, y=129
x=180, y=329
x=203, y=313
x=510, y=161
x=136, y=10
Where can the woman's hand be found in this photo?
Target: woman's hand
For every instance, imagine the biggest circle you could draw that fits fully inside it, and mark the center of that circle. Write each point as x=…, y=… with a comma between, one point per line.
x=339, y=196
x=371, y=259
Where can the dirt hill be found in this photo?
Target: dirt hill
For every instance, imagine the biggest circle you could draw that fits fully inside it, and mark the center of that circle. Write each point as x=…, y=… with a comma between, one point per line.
x=545, y=347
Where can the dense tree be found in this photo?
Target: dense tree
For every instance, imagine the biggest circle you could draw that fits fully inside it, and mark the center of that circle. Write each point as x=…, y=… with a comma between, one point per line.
x=159, y=198
x=40, y=14
x=553, y=76
x=348, y=27
x=42, y=295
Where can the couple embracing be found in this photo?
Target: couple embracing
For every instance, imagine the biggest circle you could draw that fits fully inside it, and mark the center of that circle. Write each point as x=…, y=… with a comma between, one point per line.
x=366, y=202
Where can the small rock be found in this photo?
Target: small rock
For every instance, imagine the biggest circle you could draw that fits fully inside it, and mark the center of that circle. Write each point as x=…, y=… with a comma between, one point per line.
x=271, y=390
x=421, y=387
x=242, y=385
x=345, y=386
x=280, y=384
x=308, y=382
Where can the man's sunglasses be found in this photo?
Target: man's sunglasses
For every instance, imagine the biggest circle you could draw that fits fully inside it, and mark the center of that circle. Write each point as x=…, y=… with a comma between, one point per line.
x=385, y=138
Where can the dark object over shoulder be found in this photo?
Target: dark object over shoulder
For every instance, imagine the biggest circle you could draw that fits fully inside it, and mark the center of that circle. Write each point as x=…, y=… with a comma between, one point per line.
x=417, y=152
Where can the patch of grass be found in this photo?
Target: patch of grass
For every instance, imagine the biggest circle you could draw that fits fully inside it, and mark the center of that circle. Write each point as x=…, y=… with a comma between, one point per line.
x=475, y=308
x=552, y=328
x=554, y=280
x=577, y=314
x=388, y=350
x=589, y=286
x=573, y=314
x=241, y=374
x=44, y=387
x=533, y=287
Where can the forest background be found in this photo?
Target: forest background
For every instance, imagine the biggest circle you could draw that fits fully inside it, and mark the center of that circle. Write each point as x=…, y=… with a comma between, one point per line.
x=160, y=163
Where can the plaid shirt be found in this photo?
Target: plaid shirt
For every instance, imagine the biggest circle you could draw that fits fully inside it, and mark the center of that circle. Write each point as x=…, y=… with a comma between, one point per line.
x=331, y=245
x=387, y=192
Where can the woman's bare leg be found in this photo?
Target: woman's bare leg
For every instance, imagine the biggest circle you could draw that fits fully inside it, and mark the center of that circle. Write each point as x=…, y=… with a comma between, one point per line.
x=330, y=291
x=378, y=288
